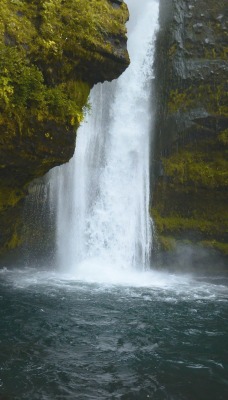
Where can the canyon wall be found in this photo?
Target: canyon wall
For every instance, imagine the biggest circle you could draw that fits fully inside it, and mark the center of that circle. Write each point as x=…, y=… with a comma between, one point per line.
x=189, y=203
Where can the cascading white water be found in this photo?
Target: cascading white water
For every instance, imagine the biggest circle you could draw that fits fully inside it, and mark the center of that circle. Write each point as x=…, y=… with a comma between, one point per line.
x=103, y=193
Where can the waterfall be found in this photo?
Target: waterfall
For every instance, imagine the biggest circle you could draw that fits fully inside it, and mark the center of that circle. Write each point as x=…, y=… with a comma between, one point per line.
x=103, y=192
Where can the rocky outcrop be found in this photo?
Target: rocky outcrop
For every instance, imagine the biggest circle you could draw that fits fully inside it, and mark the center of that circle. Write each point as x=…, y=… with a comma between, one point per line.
x=189, y=203
x=51, y=54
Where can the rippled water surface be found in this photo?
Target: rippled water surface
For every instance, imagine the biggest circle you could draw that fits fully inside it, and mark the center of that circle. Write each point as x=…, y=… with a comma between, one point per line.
x=158, y=337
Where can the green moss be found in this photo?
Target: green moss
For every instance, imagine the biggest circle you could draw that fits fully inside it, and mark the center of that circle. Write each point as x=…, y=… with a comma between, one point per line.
x=216, y=53
x=51, y=53
x=223, y=137
x=14, y=242
x=10, y=197
x=65, y=102
x=200, y=169
x=57, y=26
x=177, y=223
x=179, y=101
x=212, y=97
x=214, y=244
x=24, y=95
x=189, y=197
x=181, y=214
x=166, y=243
x=169, y=244
x=172, y=50
x=42, y=46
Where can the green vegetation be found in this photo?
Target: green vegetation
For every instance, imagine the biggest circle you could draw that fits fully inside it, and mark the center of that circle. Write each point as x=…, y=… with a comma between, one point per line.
x=215, y=53
x=23, y=92
x=9, y=197
x=51, y=53
x=197, y=168
x=167, y=243
x=178, y=224
x=179, y=101
x=198, y=216
x=190, y=193
x=41, y=45
x=14, y=241
x=223, y=137
x=212, y=97
x=214, y=244
x=173, y=229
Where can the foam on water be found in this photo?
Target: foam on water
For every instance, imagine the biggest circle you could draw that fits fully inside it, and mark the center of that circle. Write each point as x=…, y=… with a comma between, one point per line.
x=149, y=285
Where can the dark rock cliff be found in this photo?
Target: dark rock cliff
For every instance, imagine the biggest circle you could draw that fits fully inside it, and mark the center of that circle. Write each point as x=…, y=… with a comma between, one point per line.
x=189, y=203
x=51, y=53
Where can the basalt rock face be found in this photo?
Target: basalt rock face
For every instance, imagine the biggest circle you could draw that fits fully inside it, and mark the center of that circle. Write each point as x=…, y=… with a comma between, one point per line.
x=51, y=53
x=189, y=202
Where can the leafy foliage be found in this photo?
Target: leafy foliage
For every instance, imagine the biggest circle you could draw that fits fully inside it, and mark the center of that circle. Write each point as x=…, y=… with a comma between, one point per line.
x=43, y=47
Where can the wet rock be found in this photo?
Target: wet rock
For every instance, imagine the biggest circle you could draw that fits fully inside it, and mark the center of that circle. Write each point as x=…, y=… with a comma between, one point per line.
x=50, y=57
x=190, y=166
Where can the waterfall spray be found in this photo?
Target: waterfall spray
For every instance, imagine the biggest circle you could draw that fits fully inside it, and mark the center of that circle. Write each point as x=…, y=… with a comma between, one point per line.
x=103, y=193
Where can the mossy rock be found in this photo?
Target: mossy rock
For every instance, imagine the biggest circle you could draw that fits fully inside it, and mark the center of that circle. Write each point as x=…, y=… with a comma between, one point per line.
x=51, y=53
x=189, y=197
